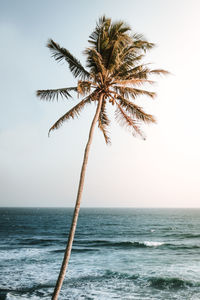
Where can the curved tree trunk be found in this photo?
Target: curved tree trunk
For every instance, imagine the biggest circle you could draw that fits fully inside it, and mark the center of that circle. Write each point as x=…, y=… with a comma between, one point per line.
x=77, y=206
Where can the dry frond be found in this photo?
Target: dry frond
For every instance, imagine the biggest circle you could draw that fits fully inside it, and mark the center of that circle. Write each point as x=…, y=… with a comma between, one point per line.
x=132, y=92
x=132, y=81
x=136, y=111
x=104, y=122
x=159, y=72
x=84, y=87
x=125, y=120
x=74, y=111
x=94, y=61
x=99, y=33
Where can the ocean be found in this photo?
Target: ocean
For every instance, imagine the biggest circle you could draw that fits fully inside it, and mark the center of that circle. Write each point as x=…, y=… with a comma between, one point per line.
x=123, y=253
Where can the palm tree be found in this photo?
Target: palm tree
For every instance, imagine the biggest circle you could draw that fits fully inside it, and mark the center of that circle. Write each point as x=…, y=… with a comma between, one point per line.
x=114, y=75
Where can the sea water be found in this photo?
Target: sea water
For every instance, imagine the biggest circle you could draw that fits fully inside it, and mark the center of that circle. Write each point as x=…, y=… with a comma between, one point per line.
x=122, y=253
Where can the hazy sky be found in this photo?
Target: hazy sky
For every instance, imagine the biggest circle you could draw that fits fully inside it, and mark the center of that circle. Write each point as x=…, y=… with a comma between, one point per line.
x=39, y=171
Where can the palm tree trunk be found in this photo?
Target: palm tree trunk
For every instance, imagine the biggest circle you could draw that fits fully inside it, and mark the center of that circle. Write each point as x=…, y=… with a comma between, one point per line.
x=77, y=206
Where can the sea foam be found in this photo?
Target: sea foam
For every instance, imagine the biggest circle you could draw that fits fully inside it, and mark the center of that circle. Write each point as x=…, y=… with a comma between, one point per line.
x=153, y=244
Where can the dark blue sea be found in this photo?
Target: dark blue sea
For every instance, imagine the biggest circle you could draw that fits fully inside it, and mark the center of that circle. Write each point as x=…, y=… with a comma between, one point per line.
x=117, y=253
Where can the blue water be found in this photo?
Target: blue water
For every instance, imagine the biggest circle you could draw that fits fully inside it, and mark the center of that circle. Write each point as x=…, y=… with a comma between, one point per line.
x=117, y=253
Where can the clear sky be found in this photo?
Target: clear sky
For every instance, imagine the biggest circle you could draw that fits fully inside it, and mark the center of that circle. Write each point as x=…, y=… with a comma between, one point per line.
x=35, y=170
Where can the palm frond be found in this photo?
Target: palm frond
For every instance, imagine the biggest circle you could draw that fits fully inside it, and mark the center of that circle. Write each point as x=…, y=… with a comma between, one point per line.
x=126, y=65
x=109, y=39
x=103, y=123
x=94, y=61
x=127, y=121
x=138, y=72
x=132, y=81
x=73, y=112
x=136, y=111
x=159, y=72
x=117, y=28
x=75, y=66
x=130, y=53
x=133, y=92
x=99, y=33
x=119, y=39
x=114, y=60
x=144, y=73
x=84, y=87
x=140, y=42
x=50, y=95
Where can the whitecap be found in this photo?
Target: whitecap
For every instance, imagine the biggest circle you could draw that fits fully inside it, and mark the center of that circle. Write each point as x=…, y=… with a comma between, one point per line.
x=153, y=244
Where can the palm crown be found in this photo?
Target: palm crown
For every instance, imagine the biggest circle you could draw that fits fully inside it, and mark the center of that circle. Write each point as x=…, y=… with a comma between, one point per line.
x=114, y=72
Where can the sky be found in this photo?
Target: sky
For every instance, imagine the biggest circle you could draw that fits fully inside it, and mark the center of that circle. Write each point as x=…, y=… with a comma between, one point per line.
x=37, y=171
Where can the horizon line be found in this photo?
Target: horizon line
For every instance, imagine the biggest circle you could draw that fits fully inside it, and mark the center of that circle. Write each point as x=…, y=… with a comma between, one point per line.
x=104, y=207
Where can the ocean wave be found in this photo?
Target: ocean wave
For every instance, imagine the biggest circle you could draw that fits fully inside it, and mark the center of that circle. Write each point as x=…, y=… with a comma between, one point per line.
x=95, y=245
x=181, y=236
x=190, y=236
x=121, y=244
x=105, y=278
x=35, y=289
x=153, y=244
x=136, y=244
x=107, y=275
x=44, y=290
x=161, y=283
x=171, y=283
x=74, y=250
x=90, y=245
x=40, y=242
x=184, y=246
